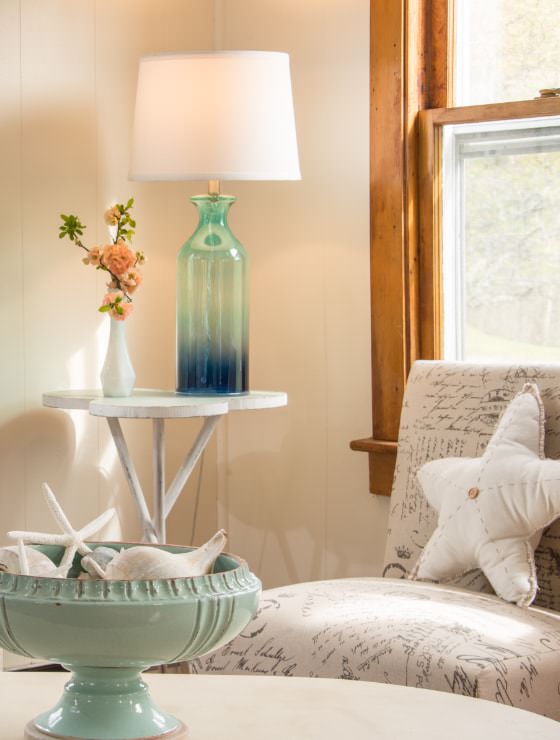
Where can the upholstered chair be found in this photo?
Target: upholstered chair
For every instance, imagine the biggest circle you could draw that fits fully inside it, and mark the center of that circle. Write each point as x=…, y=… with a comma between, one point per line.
x=458, y=636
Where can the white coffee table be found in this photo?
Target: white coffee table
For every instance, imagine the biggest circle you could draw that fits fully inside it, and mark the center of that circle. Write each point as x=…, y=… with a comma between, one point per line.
x=272, y=708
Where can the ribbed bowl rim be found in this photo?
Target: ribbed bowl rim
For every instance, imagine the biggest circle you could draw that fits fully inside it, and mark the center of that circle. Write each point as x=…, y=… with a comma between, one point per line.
x=71, y=590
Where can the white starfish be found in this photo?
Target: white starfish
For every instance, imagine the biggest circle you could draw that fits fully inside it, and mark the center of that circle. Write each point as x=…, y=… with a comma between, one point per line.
x=23, y=562
x=72, y=540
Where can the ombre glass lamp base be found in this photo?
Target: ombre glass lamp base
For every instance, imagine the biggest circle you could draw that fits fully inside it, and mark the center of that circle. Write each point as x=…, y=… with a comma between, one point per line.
x=212, y=305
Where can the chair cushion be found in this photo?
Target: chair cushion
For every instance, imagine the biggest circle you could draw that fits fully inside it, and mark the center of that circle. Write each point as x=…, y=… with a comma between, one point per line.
x=402, y=632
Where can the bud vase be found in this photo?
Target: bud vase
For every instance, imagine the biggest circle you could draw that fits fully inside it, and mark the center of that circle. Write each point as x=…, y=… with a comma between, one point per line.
x=212, y=305
x=117, y=375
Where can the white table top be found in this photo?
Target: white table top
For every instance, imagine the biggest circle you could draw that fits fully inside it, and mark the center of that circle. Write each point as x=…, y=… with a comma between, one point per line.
x=257, y=707
x=146, y=403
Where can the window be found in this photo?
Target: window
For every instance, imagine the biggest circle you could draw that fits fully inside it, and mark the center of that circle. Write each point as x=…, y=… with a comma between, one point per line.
x=506, y=50
x=501, y=240
x=500, y=186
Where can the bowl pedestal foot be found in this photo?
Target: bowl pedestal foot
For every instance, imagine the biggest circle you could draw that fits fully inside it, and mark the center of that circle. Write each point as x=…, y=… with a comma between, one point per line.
x=105, y=704
x=32, y=733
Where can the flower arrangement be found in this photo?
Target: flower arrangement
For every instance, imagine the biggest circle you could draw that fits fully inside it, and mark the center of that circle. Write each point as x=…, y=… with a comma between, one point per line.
x=117, y=258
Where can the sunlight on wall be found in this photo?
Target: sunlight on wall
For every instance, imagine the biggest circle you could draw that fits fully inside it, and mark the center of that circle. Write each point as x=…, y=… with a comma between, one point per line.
x=101, y=341
x=113, y=532
x=76, y=369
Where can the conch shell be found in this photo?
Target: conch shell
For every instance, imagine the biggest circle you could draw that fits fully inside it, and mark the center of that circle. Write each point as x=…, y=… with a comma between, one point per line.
x=139, y=563
x=31, y=562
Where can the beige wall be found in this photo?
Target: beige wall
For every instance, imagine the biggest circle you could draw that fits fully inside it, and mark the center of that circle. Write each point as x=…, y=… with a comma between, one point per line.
x=292, y=496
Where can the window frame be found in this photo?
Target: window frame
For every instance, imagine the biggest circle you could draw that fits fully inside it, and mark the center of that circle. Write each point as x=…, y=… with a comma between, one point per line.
x=409, y=72
x=411, y=82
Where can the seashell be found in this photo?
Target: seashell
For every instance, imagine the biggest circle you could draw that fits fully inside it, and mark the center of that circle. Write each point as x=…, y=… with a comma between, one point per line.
x=139, y=563
x=96, y=562
x=38, y=564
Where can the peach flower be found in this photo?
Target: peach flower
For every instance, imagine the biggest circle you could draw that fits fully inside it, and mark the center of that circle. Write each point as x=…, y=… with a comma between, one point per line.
x=112, y=216
x=94, y=256
x=115, y=296
x=130, y=280
x=118, y=258
x=119, y=307
x=126, y=309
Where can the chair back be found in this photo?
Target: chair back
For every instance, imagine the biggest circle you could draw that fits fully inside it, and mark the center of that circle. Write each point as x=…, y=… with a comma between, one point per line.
x=451, y=409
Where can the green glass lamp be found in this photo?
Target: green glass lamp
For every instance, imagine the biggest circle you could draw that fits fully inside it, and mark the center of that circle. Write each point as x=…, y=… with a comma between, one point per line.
x=223, y=115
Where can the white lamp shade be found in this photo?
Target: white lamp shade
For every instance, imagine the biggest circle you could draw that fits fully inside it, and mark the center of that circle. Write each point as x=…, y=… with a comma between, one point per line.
x=214, y=116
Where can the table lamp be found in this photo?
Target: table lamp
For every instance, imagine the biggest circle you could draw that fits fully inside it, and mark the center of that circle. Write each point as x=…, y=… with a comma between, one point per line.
x=224, y=115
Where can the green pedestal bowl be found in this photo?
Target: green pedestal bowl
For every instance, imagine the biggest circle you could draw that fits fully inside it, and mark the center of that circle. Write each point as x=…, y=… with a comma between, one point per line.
x=108, y=632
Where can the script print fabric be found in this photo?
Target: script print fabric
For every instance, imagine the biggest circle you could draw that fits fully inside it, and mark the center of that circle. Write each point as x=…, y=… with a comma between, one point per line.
x=404, y=633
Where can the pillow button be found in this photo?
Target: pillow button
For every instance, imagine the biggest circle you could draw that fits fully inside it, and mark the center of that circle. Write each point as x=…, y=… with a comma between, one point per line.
x=473, y=492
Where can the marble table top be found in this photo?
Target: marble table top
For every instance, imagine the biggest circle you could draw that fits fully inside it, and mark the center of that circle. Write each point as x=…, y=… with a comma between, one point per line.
x=256, y=707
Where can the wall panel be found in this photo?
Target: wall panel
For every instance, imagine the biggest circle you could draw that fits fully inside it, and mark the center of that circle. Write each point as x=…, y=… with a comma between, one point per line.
x=290, y=492
x=293, y=496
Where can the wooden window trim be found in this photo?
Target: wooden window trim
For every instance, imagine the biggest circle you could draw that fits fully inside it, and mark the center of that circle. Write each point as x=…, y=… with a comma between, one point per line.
x=409, y=72
x=411, y=84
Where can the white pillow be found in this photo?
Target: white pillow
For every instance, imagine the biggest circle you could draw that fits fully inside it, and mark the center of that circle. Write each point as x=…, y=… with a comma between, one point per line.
x=492, y=509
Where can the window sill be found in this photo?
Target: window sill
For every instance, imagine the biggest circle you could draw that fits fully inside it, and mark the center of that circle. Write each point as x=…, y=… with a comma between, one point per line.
x=382, y=458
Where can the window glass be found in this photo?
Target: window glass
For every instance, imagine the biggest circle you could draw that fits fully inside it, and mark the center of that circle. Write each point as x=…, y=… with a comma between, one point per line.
x=501, y=240
x=505, y=49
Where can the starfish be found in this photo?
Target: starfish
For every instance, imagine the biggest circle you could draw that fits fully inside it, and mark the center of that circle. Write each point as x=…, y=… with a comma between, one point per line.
x=23, y=562
x=492, y=509
x=72, y=540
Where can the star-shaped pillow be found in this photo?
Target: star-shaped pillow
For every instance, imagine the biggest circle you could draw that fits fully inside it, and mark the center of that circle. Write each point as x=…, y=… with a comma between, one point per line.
x=493, y=509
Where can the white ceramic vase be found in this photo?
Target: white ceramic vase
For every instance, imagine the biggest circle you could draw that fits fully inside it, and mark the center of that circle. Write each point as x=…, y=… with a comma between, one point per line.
x=117, y=375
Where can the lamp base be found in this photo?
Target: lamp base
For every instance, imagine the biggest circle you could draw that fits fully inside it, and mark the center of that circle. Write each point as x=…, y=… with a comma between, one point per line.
x=216, y=394
x=212, y=305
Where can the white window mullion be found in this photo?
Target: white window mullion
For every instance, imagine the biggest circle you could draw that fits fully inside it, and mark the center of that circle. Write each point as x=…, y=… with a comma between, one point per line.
x=453, y=259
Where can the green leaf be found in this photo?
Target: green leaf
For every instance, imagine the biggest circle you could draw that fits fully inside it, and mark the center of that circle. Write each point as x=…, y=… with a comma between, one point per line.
x=104, y=309
x=119, y=310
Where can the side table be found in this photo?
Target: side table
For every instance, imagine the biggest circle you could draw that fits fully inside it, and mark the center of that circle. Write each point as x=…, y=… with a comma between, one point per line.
x=159, y=405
